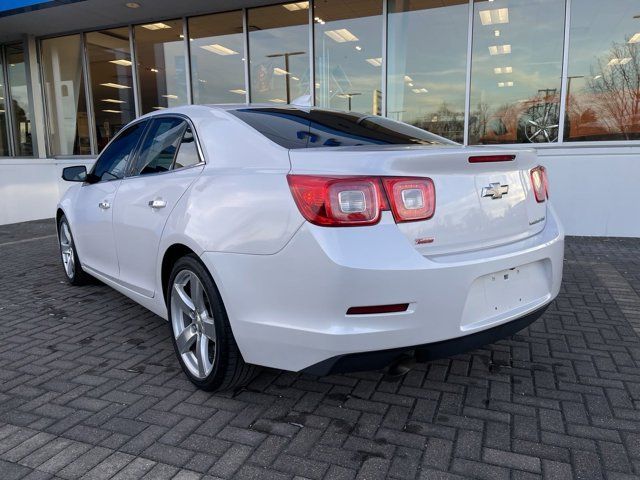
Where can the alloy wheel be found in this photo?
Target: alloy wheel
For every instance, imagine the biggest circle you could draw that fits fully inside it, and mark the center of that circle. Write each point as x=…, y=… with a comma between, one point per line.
x=193, y=324
x=66, y=250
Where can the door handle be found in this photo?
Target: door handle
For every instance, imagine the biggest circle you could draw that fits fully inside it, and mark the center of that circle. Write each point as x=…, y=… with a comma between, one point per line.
x=104, y=205
x=158, y=203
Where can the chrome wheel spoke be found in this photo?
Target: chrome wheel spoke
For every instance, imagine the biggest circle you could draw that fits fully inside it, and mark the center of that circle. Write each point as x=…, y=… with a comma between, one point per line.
x=209, y=328
x=197, y=294
x=185, y=301
x=201, y=355
x=67, y=233
x=187, y=337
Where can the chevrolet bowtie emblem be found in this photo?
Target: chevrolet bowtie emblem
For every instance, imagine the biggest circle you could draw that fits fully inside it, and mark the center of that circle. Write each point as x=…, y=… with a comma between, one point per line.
x=495, y=190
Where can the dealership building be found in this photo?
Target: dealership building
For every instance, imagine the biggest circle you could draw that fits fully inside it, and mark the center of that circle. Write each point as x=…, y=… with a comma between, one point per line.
x=559, y=76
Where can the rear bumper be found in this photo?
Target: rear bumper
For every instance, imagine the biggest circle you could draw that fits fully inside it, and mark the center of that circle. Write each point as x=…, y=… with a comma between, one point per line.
x=288, y=310
x=354, y=362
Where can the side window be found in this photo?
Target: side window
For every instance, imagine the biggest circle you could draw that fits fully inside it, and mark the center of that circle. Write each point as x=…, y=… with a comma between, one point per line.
x=188, y=151
x=160, y=146
x=112, y=164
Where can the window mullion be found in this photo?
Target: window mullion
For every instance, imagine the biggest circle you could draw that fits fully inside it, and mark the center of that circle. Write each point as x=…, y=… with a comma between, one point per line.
x=93, y=141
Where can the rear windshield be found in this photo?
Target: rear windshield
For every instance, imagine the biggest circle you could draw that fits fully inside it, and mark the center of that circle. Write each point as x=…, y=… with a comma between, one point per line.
x=293, y=128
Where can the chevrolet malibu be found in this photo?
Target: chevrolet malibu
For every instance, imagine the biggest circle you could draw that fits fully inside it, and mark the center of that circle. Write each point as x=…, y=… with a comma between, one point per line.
x=312, y=240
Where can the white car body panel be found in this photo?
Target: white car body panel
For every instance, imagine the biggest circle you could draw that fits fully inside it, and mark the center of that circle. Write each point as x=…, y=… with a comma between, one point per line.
x=287, y=283
x=93, y=230
x=138, y=227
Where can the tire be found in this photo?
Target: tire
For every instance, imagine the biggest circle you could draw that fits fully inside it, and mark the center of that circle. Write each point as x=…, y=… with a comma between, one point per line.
x=200, y=329
x=73, y=271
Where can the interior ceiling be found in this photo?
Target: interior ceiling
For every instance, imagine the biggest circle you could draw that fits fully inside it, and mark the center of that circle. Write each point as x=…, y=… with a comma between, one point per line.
x=96, y=14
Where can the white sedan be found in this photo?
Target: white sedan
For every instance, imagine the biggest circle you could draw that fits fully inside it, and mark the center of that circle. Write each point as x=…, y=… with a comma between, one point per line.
x=312, y=240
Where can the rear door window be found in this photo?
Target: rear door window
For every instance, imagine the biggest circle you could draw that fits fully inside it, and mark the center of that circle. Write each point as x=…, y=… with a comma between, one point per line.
x=160, y=146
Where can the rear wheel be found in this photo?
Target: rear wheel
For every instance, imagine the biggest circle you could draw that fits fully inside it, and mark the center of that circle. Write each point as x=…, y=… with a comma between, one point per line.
x=200, y=330
x=72, y=268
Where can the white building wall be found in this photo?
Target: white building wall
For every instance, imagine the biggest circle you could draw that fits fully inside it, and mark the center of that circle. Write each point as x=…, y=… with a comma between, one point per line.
x=596, y=190
x=30, y=188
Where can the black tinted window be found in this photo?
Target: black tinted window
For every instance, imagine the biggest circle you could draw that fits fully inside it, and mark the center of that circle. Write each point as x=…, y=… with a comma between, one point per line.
x=160, y=146
x=293, y=128
x=113, y=161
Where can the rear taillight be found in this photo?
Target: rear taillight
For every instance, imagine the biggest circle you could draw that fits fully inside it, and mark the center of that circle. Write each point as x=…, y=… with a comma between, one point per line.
x=540, y=183
x=411, y=199
x=337, y=201
x=359, y=201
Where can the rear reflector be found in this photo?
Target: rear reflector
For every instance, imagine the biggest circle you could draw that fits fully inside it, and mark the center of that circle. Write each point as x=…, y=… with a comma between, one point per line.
x=372, y=310
x=491, y=158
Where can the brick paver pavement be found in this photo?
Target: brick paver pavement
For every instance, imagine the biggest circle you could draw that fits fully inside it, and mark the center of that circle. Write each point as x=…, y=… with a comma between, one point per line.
x=89, y=386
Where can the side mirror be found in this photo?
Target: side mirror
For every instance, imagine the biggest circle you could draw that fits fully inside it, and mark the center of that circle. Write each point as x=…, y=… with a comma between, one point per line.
x=75, y=174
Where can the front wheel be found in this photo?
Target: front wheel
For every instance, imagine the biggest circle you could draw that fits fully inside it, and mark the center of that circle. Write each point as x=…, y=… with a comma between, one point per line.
x=72, y=268
x=201, y=334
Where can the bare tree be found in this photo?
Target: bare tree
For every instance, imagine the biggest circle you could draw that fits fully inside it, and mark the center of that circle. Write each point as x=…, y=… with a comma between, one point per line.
x=615, y=85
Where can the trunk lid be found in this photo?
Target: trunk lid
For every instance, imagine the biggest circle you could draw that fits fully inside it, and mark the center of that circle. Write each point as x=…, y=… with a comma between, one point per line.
x=464, y=219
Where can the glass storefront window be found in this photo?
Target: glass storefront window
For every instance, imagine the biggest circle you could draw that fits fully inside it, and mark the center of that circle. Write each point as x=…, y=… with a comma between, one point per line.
x=348, y=55
x=279, y=54
x=217, y=58
x=516, y=71
x=162, y=63
x=109, y=61
x=603, y=83
x=20, y=108
x=4, y=138
x=427, y=63
x=65, y=96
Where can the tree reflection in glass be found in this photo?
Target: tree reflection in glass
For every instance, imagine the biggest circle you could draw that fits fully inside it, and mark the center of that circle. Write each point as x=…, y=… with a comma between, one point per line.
x=516, y=71
x=427, y=55
x=603, y=84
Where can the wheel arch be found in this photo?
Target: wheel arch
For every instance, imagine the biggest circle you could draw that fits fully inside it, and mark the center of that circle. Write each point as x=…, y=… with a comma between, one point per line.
x=170, y=257
x=59, y=214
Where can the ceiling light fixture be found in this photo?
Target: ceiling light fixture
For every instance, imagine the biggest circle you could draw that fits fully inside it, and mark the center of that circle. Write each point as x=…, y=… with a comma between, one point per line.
x=278, y=100
x=499, y=49
x=123, y=62
x=501, y=70
x=171, y=96
x=132, y=5
x=112, y=111
x=114, y=85
x=376, y=62
x=156, y=26
x=279, y=71
x=239, y=91
x=293, y=7
x=341, y=35
x=113, y=100
x=635, y=38
x=407, y=78
x=219, y=49
x=491, y=17
x=619, y=61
